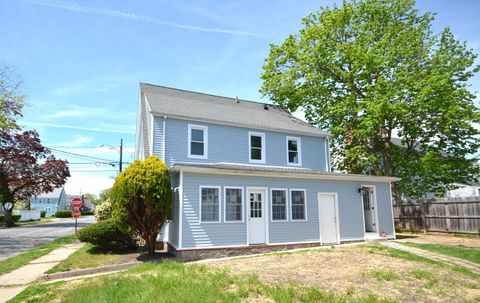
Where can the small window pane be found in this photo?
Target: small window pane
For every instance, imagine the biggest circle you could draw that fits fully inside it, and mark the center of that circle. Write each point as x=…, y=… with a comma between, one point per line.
x=279, y=205
x=298, y=205
x=210, y=204
x=292, y=157
x=197, y=135
x=233, y=204
x=292, y=145
x=256, y=141
x=256, y=154
x=196, y=148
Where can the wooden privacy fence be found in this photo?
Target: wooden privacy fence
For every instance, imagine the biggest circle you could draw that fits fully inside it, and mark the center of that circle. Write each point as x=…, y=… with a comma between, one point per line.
x=445, y=215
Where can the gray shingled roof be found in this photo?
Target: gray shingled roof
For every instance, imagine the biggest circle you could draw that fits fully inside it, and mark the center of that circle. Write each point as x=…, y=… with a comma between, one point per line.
x=279, y=171
x=53, y=194
x=216, y=109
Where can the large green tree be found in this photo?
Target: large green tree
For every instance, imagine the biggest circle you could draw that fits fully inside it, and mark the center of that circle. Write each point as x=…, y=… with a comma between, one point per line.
x=12, y=99
x=142, y=198
x=372, y=71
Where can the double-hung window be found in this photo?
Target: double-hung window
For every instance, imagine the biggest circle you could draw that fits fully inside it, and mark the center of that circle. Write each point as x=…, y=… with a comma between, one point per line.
x=233, y=204
x=298, y=204
x=294, y=151
x=279, y=204
x=256, y=144
x=210, y=204
x=197, y=141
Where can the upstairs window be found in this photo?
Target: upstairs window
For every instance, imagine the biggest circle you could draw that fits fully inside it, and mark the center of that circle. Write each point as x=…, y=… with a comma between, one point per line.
x=210, y=204
x=297, y=198
x=197, y=141
x=257, y=147
x=294, y=151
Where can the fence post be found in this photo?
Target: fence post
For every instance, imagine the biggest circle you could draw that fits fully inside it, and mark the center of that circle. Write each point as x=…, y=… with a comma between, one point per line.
x=423, y=210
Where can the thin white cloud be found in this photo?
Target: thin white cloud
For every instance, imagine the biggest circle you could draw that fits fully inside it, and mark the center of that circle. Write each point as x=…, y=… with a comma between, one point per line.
x=77, y=141
x=135, y=17
x=93, y=129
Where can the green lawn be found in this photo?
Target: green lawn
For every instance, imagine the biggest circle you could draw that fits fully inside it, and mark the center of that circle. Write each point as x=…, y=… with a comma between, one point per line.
x=466, y=253
x=13, y=263
x=42, y=220
x=89, y=256
x=176, y=282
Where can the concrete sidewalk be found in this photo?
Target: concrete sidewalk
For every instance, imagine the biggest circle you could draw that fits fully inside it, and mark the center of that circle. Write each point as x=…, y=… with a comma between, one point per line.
x=473, y=267
x=16, y=281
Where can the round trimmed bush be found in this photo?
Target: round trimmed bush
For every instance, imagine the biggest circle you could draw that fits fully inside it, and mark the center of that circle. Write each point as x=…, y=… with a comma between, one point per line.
x=63, y=214
x=16, y=218
x=106, y=233
x=42, y=214
x=87, y=213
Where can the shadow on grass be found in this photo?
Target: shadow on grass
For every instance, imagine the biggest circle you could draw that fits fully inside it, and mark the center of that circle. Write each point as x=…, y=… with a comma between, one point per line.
x=112, y=250
x=407, y=236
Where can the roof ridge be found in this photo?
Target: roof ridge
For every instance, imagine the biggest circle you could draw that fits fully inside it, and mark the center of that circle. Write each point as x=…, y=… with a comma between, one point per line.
x=209, y=94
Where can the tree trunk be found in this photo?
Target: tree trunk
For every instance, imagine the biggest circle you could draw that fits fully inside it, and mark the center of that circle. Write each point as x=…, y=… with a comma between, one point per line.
x=8, y=218
x=151, y=240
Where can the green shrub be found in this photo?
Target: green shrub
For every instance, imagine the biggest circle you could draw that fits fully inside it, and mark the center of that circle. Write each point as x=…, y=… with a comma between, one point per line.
x=42, y=214
x=63, y=214
x=103, y=211
x=16, y=218
x=2, y=218
x=87, y=213
x=106, y=233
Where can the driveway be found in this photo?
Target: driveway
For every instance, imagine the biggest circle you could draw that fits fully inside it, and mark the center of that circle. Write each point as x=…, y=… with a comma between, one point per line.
x=14, y=241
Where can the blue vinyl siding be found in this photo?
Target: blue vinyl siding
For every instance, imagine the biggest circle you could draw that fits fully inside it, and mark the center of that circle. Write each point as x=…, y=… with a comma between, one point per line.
x=196, y=234
x=230, y=144
x=173, y=225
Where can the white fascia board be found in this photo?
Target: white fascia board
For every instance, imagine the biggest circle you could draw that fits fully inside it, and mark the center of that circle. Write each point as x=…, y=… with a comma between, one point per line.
x=340, y=177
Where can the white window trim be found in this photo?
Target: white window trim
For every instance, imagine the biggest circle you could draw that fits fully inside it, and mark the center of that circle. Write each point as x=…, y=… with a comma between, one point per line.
x=200, y=204
x=286, y=204
x=299, y=151
x=225, y=204
x=290, y=200
x=263, y=153
x=205, y=141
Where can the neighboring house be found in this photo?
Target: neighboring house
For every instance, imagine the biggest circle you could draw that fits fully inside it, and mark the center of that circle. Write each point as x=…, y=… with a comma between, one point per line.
x=247, y=175
x=464, y=191
x=50, y=202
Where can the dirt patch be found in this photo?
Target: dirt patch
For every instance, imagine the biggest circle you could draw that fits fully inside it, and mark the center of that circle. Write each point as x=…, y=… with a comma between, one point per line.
x=360, y=270
x=441, y=239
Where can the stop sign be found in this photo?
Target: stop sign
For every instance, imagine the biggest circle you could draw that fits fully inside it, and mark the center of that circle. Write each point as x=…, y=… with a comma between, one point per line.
x=76, y=203
x=76, y=213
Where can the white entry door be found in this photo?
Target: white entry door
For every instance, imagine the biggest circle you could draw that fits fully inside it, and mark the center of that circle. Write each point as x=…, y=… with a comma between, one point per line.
x=369, y=209
x=256, y=216
x=327, y=207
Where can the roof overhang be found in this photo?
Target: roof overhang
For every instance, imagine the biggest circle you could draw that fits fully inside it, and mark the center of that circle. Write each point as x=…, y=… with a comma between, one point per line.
x=280, y=174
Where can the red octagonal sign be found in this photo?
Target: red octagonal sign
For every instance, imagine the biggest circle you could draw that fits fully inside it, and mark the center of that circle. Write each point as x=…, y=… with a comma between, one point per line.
x=76, y=202
x=76, y=213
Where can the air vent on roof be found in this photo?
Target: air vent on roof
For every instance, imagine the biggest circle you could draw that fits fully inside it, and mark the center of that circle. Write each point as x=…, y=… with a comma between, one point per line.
x=265, y=107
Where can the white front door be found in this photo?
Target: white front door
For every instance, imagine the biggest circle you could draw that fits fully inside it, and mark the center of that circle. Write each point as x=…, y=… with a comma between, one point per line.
x=256, y=216
x=369, y=209
x=327, y=208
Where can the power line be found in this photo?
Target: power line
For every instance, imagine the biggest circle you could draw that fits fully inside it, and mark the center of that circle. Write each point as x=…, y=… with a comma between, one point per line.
x=80, y=155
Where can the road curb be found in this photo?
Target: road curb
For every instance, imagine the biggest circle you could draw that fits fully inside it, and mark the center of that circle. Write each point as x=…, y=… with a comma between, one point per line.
x=88, y=271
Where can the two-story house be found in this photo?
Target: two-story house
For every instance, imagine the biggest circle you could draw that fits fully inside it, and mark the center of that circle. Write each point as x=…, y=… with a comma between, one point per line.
x=249, y=175
x=50, y=202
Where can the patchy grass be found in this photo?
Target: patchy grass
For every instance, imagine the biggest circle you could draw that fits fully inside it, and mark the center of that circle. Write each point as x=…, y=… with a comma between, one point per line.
x=466, y=253
x=384, y=275
x=42, y=220
x=24, y=258
x=91, y=256
x=176, y=282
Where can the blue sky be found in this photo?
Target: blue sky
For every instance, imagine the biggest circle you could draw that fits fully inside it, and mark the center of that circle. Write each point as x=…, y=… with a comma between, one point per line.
x=81, y=61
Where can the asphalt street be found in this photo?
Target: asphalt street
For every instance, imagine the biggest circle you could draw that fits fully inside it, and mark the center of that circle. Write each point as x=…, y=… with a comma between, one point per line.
x=14, y=241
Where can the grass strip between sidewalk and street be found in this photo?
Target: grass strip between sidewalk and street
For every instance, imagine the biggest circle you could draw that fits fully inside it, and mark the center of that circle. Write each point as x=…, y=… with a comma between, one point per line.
x=461, y=252
x=24, y=258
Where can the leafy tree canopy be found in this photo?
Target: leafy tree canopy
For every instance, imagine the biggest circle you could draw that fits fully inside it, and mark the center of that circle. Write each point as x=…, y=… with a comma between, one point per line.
x=372, y=71
x=142, y=198
x=11, y=99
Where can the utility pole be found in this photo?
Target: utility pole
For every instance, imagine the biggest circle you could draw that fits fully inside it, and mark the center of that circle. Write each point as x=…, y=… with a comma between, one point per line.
x=121, y=153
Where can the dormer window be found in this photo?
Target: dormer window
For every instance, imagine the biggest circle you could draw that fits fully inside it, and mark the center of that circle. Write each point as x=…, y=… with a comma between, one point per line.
x=197, y=141
x=294, y=151
x=256, y=147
